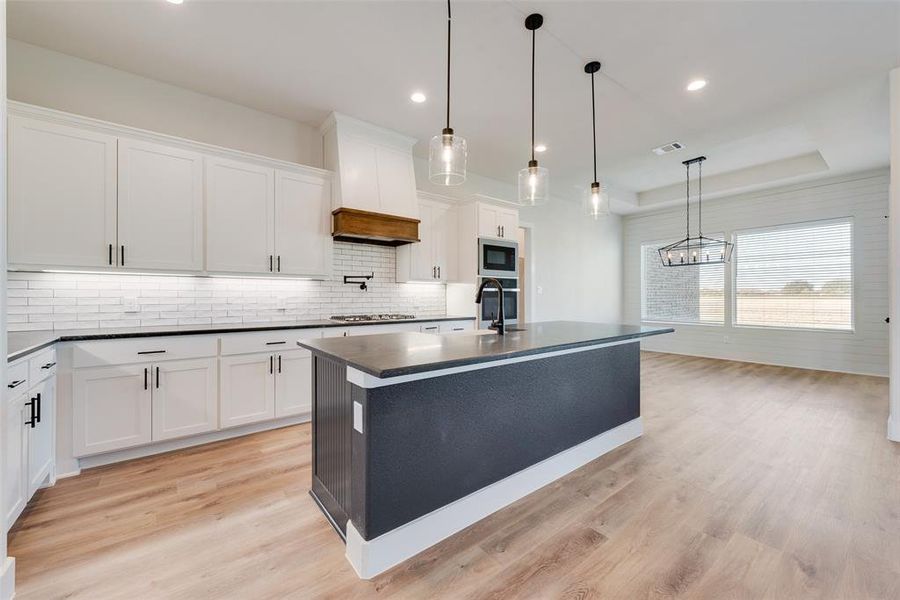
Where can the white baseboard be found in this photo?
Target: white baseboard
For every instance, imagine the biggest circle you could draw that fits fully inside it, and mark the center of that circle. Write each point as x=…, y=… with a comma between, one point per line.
x=369, y=558
x=893, y=430
x=8, y=579
x=214, y=436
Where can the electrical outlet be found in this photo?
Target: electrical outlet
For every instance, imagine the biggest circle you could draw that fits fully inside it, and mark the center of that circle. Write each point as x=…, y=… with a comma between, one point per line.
x=281, y=303
x=726, y=339
x=131, y=305
x=540, y=290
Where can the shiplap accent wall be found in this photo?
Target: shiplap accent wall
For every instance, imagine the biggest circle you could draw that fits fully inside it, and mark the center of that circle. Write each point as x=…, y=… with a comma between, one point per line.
x=39, y=301
x=862, y=196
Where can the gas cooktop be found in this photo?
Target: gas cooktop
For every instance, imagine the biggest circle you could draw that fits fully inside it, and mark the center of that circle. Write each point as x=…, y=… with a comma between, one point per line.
x=361, y=318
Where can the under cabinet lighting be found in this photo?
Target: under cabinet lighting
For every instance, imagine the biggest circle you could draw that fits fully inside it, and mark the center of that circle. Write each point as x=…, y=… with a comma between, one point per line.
x=175, y=1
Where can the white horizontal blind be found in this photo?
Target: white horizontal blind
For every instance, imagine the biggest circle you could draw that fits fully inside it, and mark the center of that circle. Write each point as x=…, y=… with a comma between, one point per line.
x=798, y=275
x=681, y=294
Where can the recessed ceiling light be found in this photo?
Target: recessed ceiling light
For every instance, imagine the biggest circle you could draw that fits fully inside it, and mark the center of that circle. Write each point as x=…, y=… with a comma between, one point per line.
x=540, y=148
x=417, y=97
x=696, y=85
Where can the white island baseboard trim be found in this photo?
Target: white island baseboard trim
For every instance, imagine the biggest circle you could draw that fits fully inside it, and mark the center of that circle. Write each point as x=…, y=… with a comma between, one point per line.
x=369, y=558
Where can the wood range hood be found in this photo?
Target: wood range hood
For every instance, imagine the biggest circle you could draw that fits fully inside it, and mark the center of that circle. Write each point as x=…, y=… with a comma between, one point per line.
x=365, y=227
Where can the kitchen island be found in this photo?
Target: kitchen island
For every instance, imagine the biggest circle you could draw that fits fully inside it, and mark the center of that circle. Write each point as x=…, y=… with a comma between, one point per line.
x=417, y=436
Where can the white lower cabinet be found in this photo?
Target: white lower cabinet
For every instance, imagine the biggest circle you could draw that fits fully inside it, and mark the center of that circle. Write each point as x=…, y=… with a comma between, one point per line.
x=29, y=436
x=293, y=383
x=247, y=384
x=42, y=437
x=111, y=408
x=184, y=398
x=15, y=450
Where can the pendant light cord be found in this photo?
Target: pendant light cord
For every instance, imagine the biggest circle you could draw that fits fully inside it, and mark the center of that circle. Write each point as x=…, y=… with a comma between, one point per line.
x=594, y=125
x=688, y=195
x=533, y=41
x=700, y=200
x=448, y=64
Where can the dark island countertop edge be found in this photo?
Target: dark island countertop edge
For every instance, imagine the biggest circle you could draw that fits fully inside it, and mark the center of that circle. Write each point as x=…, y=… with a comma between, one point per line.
x=449, y=364
x=94, y=334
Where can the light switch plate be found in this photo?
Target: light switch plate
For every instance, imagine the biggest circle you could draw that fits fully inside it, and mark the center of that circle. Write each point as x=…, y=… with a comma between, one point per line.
x=357, y=417
x=130, y=304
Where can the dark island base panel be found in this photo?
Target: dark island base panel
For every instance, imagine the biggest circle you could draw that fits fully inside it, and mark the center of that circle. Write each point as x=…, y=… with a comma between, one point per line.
x=430, y=442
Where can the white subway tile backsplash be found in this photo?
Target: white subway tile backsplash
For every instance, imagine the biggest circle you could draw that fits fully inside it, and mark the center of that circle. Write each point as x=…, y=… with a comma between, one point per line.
x=88, y=300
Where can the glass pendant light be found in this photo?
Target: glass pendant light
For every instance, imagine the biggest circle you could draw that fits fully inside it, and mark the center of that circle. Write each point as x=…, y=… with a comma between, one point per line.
x=447, y=151
x=534, y=181
x=597, y=203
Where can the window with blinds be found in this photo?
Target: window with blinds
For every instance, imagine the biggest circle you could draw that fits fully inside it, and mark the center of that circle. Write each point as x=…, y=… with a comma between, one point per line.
x=798, y=276
x=693, y=294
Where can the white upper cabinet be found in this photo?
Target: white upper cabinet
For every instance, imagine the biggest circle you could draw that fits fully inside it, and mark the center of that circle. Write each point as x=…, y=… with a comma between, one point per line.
x=374, y=167
x=160, y=207
x=62, y=196
x=302, y=224
x=497, y=221
x=240, y=205
x=434, y=258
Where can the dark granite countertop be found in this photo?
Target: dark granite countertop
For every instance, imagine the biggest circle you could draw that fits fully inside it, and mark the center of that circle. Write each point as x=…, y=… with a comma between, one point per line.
x=392, y=354
x=22, y=343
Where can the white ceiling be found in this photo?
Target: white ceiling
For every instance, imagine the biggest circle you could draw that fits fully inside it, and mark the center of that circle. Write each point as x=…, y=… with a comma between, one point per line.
x=786, y=78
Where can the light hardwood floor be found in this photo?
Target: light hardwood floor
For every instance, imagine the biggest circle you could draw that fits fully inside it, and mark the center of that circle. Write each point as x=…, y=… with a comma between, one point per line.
x=750, y=482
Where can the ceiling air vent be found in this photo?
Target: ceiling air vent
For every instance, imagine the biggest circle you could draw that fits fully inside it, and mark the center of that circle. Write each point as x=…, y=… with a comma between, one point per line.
x=666, y=148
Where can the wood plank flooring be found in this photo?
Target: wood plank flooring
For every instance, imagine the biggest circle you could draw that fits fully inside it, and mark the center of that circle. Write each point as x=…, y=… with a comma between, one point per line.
x=750, y=481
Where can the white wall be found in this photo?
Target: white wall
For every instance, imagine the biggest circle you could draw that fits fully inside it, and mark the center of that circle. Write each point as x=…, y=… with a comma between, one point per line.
x=863, y=196
x=575, y=261
x=46, y=78
x=894, y=279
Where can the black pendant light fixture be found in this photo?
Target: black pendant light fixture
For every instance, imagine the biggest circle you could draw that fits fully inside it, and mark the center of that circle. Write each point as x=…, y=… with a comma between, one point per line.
x=597, y=203
x=534, y=181
x=447, y=151
x=698, y=250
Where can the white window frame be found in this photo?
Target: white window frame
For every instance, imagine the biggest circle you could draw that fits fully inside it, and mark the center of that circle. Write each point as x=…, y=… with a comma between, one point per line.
x=735, y=257
x=725, y=277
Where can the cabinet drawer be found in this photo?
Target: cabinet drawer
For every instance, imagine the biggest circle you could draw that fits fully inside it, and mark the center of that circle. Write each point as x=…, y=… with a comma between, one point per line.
x=41, y=366
x=17, y=377
x=459, y=326
x=266, y=341
x=123, y=352
x=430, y=328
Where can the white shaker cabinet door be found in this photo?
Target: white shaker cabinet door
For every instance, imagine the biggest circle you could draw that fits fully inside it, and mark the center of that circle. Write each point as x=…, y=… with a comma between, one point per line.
x=15, y=449
x=488, y=221
x=62, y=196
x=422, y=265
x=240, y=205
x=184, y=398
x=160, y=207
x=111, y=408
x=42, y=437
x=302, y=224
x=247, y=384
x=293, y=383
x=508, y=219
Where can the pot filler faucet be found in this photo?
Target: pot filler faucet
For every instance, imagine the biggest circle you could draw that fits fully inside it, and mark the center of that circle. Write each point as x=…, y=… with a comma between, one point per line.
x=496, y=324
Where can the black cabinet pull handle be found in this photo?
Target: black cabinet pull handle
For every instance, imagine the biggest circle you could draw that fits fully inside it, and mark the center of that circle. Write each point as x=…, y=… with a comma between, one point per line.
x=439, y=272
x=275, y=343
x=498, y=231
x=39, y=407
x=49, y=365
x=270, y=263
x=16, y=383
x=279, y=363
x=123, y=255
x=110, y=254
x=152, y=352
x=279, y=263
x=145, y=378
x=157, y=377
x=31, y=421
x=271, y=365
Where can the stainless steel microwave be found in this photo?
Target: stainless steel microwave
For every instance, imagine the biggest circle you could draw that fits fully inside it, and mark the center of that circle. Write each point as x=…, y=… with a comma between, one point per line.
x=498, y=258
